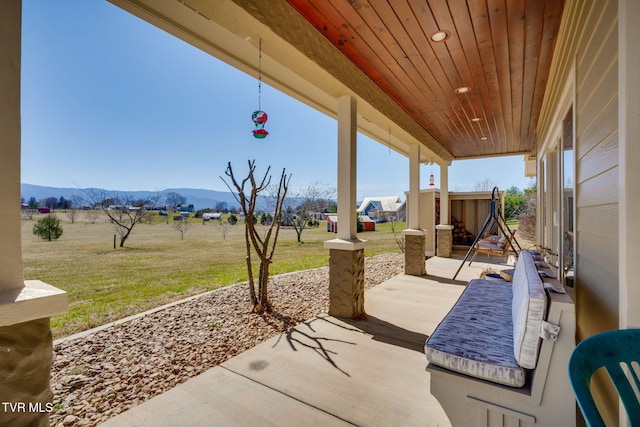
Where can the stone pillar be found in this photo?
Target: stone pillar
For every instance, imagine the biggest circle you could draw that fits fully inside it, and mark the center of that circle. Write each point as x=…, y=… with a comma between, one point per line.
x=25, y=307
x=346, y=252
x=346, y=278
x=25, y=367
x=445, y=240
x=414, y=253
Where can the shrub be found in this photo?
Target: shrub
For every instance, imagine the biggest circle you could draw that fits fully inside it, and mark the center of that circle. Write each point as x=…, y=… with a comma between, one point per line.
x=232, y=219
x=48, y=228
x=527, y=227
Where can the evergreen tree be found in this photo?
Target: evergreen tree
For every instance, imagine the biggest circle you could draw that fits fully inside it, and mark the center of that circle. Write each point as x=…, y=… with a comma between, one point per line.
x=48, y=228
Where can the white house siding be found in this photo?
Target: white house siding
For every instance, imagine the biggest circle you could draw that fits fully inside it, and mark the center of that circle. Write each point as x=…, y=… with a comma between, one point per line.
x=597, y=170
x=587, y=57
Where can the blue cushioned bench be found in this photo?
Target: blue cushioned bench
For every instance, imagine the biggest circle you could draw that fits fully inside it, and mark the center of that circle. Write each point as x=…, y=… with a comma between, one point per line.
x=495, y=351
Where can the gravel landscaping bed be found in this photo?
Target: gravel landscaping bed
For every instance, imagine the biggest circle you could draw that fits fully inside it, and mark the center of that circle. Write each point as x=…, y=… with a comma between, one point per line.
x=106, y=372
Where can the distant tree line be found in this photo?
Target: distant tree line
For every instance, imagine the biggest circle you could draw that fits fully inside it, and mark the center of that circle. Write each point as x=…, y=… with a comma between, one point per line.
x=50, y=202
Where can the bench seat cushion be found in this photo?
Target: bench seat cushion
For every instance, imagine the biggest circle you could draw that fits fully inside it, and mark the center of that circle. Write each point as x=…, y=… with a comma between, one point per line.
x=529, y=310
x=476, y=337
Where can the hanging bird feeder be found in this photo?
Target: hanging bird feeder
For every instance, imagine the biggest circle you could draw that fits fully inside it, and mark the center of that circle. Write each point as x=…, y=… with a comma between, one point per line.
x=432, y=178
x=259, y=117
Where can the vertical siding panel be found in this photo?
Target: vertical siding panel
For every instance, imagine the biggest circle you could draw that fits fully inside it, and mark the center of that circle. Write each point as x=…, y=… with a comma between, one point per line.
x=589, y=39
x=597, y=196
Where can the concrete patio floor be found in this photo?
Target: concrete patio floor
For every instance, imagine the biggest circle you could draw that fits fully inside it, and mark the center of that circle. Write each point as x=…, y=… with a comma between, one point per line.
x=328, y=371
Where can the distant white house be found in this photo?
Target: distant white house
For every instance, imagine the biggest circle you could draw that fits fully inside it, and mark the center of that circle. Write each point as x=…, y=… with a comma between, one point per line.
x=380, y=209
x=211, y=216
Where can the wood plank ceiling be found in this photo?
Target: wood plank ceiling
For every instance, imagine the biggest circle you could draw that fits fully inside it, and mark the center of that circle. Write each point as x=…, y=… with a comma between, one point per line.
x=500, y=50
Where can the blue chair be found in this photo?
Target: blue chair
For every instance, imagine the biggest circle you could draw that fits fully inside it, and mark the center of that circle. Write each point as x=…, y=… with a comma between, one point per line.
x=618, y=352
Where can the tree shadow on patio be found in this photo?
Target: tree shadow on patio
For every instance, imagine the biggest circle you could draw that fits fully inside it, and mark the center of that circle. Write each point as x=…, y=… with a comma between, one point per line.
x=316, y=343
x=383, y=331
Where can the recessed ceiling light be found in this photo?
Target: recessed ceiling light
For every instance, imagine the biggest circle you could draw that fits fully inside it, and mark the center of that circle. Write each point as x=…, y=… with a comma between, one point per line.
x=476, y=119
x=463, y=89
x=439, y=36
x=484, y=138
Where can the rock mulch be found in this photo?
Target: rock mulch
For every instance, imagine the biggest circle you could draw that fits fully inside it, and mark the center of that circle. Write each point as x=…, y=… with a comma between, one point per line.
x=107, y=372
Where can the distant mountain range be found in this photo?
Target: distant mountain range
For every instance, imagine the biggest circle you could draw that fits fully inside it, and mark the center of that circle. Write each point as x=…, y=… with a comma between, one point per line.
x=201, y=199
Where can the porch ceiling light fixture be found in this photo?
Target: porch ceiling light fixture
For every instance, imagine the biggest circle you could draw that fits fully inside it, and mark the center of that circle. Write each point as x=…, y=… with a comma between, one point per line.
x=476, y=119
x=439, y=36
x=463, y=89
x=484, y=138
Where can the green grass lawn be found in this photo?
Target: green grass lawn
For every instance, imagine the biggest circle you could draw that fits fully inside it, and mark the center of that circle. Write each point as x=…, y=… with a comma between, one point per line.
x=156, y=266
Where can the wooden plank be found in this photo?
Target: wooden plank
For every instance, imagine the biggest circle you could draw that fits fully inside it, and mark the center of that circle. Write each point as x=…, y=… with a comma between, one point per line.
x=534, y=14
x=432, y=79
x=591, y=103
x=515, y=15
x=601, y=14
x=479, y=100
x=553, y=15
x=500, y=36
x=591, y=134
x=482, y=30
x=601, y=56
x=597, y=298
x=602, y=157
x=600, y=221
x=492, y=407
x=364, y=21
x=599, y=190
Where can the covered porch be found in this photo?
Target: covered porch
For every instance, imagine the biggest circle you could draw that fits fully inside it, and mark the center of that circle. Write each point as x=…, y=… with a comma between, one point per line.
x=329, y=371
x=561, y=90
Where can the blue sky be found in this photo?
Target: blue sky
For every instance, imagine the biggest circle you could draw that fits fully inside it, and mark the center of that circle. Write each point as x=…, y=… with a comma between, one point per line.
x=111, y=101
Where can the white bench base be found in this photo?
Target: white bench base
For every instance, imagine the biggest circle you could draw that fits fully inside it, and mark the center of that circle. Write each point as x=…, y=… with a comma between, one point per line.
x=546, y=399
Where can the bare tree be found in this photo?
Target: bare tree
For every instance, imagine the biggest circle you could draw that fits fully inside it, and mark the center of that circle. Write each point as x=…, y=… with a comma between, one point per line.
x=306, y=203
x=181, y=225
x=26, y=214
x=484, y=185
x=174, y=199
x=92, y=216
x=262, y=245
x=223, y=228
x=72, y=214
x=123, y=211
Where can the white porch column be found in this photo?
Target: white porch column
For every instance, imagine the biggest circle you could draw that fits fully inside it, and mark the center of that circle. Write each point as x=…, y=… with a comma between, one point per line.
x=444, y=194
x=25, y=308
x=346, y=252
x=347, y=149
x=413, y=204
x=444, y=229
x=629, y=159
x=10, y=249
x=414, y=235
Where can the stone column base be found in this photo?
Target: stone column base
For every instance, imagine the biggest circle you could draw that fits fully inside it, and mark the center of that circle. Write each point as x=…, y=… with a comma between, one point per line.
x=414, y=253
x=346, y=283
x=25, y=367
x=445, y=240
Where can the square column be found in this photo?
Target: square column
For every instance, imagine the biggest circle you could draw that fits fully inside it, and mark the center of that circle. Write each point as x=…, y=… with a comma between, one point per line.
x=444, y=230
x=346, y=252
x=25, y=308
x=628, y=160
x=414, y=235
x=10, y=227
